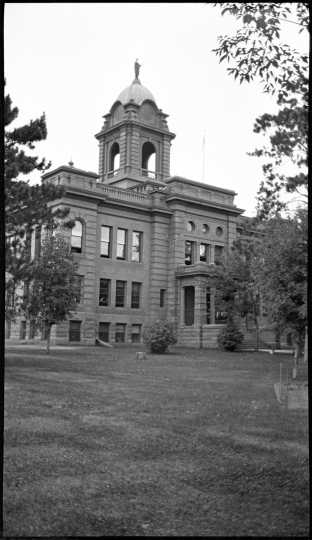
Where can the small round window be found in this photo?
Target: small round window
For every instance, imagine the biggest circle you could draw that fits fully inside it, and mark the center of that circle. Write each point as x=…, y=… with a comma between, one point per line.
x=190, y=227
x=219, y=231
x=205, y=228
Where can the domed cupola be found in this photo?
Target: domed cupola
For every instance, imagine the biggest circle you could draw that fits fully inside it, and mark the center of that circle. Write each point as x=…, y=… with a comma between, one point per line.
x=136, y=93
x=134, y=138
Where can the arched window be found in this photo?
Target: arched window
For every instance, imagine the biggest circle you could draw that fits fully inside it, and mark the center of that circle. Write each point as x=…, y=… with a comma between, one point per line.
x=76, y=237
x=114, y=157
x=190, y=226
x=148, y=159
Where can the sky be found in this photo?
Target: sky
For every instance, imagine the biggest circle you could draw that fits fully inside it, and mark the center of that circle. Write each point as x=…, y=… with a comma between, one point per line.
x=71, y=61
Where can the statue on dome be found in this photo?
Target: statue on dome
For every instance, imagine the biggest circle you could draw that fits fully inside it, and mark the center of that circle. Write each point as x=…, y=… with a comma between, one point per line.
x=137, y=69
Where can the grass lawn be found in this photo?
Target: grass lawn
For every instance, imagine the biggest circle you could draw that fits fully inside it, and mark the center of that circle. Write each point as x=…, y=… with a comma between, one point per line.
x=192, y=443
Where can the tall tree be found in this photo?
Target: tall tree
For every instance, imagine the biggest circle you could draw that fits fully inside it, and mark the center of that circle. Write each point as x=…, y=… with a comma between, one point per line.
x=237, y=289
x=52, y=291
x=282, y=275
x=255, y=52
x=26, y=206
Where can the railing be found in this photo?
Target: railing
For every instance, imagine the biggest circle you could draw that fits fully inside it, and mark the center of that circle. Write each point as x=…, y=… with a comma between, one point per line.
x=124, y=195
x=129, y=169
x=110, y=191
x=113, y=173
x=149, y=174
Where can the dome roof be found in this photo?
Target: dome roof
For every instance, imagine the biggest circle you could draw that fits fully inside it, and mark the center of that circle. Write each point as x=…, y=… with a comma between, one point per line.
x=137, y=92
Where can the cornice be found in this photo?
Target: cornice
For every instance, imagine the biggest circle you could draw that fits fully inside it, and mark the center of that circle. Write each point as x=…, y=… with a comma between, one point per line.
x=135, y=123
x=72, y=170
x=207, y=204
x=199, y=184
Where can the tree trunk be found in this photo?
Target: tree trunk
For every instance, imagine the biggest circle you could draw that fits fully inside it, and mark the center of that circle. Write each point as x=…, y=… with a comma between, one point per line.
x=277, y=338
x=296, y=358
x=48, y=337
x=305, y=354
x=257, y=333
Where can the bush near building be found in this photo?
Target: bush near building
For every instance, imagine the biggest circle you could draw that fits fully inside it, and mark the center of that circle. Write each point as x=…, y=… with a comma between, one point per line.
x=158, y=336
x=230, y=337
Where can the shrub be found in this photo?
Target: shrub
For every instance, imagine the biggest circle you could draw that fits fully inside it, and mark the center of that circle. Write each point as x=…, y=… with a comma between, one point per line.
x=230, y=337
x=158, y=336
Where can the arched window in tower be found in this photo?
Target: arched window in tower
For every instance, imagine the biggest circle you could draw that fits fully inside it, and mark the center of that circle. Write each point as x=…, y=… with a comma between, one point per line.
x=148, y=160
x=114, y=158
x=76, y=237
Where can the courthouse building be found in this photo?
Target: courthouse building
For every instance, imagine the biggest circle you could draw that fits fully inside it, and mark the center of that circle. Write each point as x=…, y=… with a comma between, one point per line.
x=145, y=241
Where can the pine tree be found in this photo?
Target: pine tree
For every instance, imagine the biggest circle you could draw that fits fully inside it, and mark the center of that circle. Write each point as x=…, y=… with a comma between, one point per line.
x=26, y=206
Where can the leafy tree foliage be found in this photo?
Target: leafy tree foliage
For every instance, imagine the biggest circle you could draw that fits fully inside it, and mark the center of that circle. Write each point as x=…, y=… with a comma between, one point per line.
x=52, y=290
x=235, y=279
x=26, y=206
x=282, y=274
x=255, y=52
x=269, y=269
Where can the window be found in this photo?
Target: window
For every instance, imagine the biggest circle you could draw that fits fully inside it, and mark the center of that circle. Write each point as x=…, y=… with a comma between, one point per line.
x=104, y=293
x=78, y=286
x=220, y=313
x=76, y=237
x=136, y=249
x=162, y=297
x=104, y=331
x=189, y=252
x=219, y=250
x=205, y=228
x=136, y=333
x=120, y=333
x=35, y=244
x=148, y=159
x=208, y=305
x=114, y=158
x=74, y=330
x=135, y=294
x=204, y=253
x=106, y=241
x=219, y=231
x=220, y=316
x=10, y=295
x=189, y=301
x=120, y=293
x=190, y=226
x=121, y=243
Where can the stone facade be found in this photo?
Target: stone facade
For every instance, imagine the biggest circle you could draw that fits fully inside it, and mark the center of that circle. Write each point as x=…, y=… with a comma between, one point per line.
x=176, y=217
